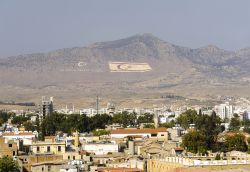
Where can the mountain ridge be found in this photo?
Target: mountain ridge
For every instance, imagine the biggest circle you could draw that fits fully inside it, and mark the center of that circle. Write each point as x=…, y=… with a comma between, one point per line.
x=86, y=70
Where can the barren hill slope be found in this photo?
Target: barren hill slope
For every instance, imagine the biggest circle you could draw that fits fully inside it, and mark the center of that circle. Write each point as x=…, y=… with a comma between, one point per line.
x=82, y=72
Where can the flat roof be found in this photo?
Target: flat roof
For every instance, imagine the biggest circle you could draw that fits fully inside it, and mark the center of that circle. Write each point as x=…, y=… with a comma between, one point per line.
x=141, y=131
x=18, y=134
x=119, y=169
x=47, y=143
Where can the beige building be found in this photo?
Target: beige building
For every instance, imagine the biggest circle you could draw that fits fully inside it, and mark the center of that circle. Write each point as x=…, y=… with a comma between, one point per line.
x=49, y=146
x=8, y=149
x=37, y=161
x=81, y=155
x=159, y=134
x=52, y=166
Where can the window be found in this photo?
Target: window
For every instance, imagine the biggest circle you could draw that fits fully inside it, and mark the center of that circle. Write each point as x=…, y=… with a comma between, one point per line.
x=37, y=149
x=49, y=168
x=153, y=135
x=74, y=157
x=59, y=148
x=42, y=168
x=10, y=145
x=48, y=148
x=68, y=157
x=14, y=153
x=162, y=134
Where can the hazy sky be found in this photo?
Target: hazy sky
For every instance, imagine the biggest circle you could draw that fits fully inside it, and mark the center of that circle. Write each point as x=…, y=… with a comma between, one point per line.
x=29, y=26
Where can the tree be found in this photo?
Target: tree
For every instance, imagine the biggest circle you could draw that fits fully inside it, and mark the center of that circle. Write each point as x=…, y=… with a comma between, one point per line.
x=248, y=148
x=217, y=157
x=4, y=116
x=100, y=132
x=7, y=164
x=145, y=118
x=246, y=129
x=210, y=126
x=186, y=118
x=1, y=121
x=194, y=142
x=69, y=123
x=236, y=142
x=99, y=121
x=149, y=126
x=19, y=120
x=246, y=124
x=52, y=123
x=37, y=122
x=125, y=118
x=234, y=123
x=29, y=126
x=168, y=124
x=72, y=123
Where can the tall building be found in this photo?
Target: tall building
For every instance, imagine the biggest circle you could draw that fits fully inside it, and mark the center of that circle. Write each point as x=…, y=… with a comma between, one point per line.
x=47, y=106
x=110, y=108
x=224, y=111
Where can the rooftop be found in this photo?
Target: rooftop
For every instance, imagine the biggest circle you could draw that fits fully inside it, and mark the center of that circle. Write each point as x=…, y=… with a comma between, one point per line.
x=120, y=170
x=18, y=134
x=136, y=131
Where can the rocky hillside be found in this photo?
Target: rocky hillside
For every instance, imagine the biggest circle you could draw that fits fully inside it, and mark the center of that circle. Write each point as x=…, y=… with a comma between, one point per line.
x=84, y=71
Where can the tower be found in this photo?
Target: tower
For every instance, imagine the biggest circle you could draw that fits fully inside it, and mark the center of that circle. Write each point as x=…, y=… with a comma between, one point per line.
x=47, y=106
x=156, y=120
x=76, y=139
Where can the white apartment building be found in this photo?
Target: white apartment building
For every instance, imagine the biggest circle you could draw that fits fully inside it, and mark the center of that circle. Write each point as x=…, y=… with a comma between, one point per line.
x=27, y=137
x=100, y=148
x=152, y=133
x=92, y=112
x=224, y=111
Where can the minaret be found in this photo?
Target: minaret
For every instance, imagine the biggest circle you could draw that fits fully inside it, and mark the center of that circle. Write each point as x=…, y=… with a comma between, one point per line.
x=76, y=139
x=156, y=120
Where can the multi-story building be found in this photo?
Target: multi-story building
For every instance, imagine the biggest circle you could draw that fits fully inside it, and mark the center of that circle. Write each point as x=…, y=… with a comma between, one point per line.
x=49, y=146
x=8, y=148
x=26, y=137
x=40, y=162
x=110, y=108
x=224, y=111
x=46, y=107
x=160, y=134
x=100, y=148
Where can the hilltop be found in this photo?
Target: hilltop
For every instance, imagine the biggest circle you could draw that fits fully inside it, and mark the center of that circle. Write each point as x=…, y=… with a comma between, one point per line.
x=83, y=72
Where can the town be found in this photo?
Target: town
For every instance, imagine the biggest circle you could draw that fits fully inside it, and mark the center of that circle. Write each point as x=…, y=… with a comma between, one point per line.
x=107, y=139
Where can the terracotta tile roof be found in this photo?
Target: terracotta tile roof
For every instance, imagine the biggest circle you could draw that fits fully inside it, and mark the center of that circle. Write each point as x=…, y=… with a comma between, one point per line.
x=49, y=137
x=178, y=149
x=136, y=136
x=136, y=131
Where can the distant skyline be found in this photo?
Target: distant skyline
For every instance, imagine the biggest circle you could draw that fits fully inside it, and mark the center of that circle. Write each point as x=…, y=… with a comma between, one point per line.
x=29, y=26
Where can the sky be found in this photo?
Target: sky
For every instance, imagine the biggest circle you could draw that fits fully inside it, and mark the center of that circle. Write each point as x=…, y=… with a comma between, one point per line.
x=32, y=26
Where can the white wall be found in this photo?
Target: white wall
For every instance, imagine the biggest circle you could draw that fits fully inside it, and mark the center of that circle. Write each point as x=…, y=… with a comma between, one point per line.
x=100, y=149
